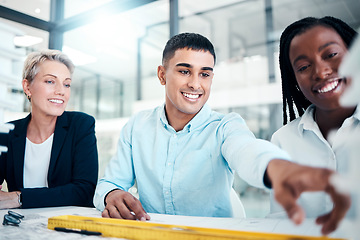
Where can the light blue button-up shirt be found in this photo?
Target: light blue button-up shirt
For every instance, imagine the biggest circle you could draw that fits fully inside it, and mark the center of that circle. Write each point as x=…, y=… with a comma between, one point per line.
x=189, y=172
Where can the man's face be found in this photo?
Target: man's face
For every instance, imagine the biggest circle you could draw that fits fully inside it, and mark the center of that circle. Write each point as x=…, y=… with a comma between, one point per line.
x=187, y=77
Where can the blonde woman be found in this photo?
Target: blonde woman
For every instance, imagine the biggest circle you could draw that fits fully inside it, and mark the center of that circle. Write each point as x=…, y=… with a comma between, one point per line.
x=52, y=155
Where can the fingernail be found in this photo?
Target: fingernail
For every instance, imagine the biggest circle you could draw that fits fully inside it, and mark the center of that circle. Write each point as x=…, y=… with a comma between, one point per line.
x=296, y=218
x=142, y=219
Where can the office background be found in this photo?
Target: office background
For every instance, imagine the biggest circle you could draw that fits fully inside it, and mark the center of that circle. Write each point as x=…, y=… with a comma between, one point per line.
x=117, y=45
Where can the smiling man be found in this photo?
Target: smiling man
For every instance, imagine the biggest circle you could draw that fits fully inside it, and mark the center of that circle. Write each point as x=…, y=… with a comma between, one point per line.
x=182, y=154
x=187, y=77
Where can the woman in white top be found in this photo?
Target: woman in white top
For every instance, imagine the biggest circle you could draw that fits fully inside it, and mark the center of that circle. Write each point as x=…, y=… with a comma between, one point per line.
x=311, y=51
x=52, y=155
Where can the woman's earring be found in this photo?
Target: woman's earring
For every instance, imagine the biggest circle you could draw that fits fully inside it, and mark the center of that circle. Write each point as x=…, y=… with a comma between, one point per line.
x=28, y=96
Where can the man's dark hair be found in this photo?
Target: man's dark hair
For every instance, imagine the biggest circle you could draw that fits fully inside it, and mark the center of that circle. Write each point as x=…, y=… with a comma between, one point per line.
x=192, y=41
x=290, y=88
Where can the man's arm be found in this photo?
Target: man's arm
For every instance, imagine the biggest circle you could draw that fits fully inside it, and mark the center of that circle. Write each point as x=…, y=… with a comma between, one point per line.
x=289, y=180
x=111, y=196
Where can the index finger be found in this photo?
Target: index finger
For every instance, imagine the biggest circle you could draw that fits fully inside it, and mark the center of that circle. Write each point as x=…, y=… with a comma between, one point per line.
x=286, y=198
x=135, y=206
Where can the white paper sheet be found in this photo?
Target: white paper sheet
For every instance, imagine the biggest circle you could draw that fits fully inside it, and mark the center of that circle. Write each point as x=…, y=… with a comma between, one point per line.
x=34, y=225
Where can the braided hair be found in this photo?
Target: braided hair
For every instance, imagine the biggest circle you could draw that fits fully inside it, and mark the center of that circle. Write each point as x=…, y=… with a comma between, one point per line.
x=291, y=92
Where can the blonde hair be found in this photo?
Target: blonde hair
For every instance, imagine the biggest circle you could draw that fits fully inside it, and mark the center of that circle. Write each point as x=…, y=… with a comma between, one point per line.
x=31, y=65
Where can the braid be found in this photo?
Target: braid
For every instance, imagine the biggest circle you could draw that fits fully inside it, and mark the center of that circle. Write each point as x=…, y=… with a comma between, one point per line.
x=290, y=89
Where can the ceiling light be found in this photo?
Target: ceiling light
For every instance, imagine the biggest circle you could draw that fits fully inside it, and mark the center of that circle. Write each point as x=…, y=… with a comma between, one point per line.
x=37, y=10
x=26, y=40
x=79, y=58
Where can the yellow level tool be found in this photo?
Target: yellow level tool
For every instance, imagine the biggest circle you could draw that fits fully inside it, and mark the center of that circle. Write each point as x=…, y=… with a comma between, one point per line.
x=139, y=230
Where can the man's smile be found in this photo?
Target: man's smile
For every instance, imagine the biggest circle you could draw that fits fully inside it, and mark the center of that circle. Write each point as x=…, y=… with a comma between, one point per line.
x=191, y=95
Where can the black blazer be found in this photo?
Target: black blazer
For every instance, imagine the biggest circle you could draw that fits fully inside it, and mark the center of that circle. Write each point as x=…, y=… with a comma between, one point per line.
x=73, y=168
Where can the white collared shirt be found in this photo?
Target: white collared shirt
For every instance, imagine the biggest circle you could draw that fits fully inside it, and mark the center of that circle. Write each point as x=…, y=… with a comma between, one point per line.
x=306, y=145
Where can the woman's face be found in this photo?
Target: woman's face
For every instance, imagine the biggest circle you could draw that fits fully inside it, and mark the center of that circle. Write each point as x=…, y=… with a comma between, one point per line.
x=50, y=89
x=315, y=56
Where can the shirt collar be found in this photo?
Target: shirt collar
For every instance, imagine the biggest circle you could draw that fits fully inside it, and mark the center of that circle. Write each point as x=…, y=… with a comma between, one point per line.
x=307, y=121
x=357, y=113
x=197, y=120
x=161, y=113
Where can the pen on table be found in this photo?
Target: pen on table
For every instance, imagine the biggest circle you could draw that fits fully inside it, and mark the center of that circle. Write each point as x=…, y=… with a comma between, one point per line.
x=72, y=230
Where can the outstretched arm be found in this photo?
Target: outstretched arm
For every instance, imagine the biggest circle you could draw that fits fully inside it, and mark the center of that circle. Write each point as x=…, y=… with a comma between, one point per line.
x=289, y=180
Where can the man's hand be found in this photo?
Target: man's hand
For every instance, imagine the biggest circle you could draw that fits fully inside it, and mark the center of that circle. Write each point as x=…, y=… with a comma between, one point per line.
x=289, y=180
x=121, y=204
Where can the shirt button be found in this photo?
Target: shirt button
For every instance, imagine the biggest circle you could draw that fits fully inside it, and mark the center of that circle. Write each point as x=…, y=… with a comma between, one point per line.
x=169, y=164
x=167, y=193
x=175, y=136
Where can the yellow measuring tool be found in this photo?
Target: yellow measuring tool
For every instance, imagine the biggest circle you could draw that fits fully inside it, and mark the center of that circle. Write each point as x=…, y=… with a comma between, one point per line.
x=138, y=230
